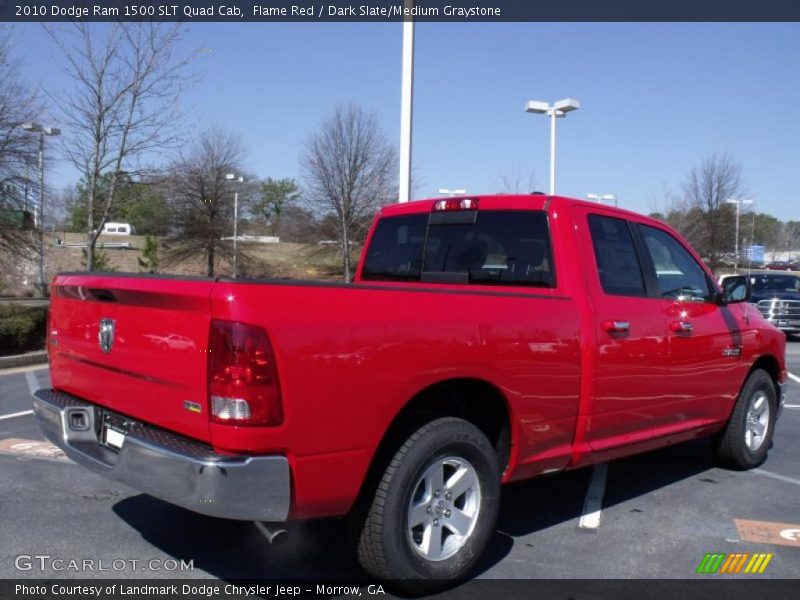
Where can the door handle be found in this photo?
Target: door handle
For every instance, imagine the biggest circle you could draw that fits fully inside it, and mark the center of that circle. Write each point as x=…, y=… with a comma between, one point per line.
x=616, y=326
x=681, y=327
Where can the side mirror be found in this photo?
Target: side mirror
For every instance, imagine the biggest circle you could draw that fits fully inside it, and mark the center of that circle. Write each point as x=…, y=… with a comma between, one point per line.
x=735, y=289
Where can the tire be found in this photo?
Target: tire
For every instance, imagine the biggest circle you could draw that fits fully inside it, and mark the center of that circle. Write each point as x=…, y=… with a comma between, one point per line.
x=418, y=531
x=744, y=442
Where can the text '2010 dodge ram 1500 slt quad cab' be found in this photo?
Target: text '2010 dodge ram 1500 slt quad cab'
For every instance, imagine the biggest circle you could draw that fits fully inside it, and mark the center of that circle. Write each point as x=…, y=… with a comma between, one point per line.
x=484, y=340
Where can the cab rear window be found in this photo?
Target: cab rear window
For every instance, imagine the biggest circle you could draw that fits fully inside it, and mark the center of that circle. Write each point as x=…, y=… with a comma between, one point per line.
x=502, y=247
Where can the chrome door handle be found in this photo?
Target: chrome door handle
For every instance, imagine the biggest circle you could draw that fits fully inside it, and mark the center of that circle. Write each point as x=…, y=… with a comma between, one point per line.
x=681, y=327
x=616, y=326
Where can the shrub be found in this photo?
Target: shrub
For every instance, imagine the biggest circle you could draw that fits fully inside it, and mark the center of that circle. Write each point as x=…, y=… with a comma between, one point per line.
x=22, y=328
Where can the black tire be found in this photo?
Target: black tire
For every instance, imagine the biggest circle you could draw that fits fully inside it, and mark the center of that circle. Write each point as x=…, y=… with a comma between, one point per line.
x=735, y=444
x=390, y=548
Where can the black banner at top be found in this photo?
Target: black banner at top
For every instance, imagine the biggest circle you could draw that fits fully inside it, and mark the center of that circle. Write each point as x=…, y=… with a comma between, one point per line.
x=465, y=11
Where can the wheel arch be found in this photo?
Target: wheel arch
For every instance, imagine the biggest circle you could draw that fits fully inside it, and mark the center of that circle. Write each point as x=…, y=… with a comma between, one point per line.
x=770, y=364
x=475, y=400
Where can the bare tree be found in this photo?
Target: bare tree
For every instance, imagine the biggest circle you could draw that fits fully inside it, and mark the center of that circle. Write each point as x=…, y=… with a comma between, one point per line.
x=349, y=170
x=18, y=153
x=709, y=223
x=121, y=105
x=201, y=199
x=517, y=180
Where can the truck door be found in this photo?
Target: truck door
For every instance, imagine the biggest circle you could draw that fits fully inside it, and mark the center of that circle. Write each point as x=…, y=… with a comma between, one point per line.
x=630, y=349
x=705, y=368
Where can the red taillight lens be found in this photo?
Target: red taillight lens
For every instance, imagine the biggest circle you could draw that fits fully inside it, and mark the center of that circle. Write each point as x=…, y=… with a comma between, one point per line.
x=242, y=379
x=456, y=204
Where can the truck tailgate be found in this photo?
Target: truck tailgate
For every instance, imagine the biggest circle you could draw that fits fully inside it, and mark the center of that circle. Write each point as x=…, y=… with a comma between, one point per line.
x=134, y=344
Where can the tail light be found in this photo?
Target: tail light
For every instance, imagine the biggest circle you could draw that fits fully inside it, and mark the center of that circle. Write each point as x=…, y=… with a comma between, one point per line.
x=455, y=204
x=242, y=379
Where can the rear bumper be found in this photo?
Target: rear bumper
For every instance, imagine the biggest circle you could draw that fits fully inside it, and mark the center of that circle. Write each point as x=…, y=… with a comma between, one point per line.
x=168, y=466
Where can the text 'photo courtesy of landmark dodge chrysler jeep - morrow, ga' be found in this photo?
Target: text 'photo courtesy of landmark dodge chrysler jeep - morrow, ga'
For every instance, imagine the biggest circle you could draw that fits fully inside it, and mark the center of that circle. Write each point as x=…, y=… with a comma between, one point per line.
x=485, y=339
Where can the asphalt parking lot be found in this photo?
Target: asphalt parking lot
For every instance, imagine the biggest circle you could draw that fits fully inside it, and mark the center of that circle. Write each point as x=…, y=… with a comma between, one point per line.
x=659, y=515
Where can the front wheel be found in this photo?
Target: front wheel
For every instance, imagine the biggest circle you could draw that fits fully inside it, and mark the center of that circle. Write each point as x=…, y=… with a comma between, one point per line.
x=744, y=442
x=434, y=508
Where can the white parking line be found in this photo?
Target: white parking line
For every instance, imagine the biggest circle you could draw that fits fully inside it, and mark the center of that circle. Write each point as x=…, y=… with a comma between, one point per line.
x=16, y=414
x=593, y=505
x=795, y=377
x=33, y=384
x=791, y=406
x=777, y=476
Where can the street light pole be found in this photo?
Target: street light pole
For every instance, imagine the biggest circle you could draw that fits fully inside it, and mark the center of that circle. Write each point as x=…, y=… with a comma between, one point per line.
x=237, y=181
x=738, y=203
x=555, y=111
x=406, y=103
x=42, y=131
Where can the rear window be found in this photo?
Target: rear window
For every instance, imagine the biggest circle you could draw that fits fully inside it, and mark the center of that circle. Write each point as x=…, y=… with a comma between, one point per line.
x=496, y=247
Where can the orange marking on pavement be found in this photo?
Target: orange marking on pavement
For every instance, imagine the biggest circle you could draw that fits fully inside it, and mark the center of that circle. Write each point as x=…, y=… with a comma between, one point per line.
x=766, y=532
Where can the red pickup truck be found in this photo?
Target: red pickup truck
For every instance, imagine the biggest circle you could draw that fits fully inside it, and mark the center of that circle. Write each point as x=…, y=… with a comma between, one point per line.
x=484, y=340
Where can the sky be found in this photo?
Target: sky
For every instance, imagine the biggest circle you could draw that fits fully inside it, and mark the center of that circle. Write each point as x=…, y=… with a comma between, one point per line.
x=656, y=100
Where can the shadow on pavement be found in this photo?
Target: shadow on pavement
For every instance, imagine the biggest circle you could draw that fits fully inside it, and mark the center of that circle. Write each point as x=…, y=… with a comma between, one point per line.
x=320, y=549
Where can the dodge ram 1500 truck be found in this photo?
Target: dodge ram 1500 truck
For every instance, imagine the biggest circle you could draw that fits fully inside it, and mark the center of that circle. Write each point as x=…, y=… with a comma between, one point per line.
x=485, y=340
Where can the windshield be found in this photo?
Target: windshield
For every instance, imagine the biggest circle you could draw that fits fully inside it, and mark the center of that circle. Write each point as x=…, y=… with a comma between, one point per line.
x=776, y=283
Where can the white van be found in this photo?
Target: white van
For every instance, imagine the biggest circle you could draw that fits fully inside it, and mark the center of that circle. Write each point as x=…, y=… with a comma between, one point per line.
x=117, y=229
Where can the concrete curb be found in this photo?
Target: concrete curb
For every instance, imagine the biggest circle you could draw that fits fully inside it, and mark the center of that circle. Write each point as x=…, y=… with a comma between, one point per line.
x=23, y=360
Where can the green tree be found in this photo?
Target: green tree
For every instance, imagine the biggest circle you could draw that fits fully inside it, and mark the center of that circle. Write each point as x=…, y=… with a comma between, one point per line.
x=139, y=203
x=275, y=195
x=146, y=209
x=148, y=261
x=101, y=260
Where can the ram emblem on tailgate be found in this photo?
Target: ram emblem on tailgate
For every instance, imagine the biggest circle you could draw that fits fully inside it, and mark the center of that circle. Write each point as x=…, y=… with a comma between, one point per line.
x=106, y=335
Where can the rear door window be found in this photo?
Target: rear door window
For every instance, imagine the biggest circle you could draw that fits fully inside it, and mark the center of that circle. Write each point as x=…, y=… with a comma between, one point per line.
x=615, y=254
x=494, y=248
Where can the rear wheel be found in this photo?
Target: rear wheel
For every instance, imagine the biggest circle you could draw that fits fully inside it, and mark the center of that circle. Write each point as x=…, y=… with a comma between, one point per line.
x=434, y=508
x=744, y=442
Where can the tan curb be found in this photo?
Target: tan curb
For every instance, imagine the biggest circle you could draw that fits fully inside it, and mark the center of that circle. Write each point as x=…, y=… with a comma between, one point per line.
x=23, y=360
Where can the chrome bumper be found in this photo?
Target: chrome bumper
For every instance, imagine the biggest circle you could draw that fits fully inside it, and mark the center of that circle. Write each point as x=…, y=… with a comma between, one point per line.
x=168, y=466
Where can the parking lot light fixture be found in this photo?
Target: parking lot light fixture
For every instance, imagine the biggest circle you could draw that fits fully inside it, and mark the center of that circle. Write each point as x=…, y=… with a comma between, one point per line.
x=738, y=202
x=449, y=192
x=236, y=181
x=50, y=132
x=600, y=198
x=558, y=109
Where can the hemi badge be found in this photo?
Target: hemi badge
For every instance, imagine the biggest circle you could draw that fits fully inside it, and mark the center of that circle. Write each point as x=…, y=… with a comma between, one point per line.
x=192, y=406
x=732, y=351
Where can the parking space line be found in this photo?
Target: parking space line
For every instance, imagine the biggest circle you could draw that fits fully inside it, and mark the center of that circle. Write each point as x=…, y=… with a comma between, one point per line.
x=777, y=476
x=791, y=406
x=593, y=505
x=16, y=414
x=33, y=384
x=795, y=377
